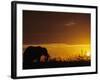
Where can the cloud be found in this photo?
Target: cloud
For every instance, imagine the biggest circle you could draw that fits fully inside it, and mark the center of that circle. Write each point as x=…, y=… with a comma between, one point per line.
x=70, y=23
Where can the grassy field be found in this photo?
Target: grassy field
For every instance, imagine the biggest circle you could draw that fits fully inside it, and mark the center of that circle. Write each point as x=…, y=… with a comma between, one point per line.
x=56, y=64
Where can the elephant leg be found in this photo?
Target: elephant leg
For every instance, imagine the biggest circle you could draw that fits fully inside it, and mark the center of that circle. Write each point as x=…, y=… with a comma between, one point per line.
x=38, y=59
x=46, y=59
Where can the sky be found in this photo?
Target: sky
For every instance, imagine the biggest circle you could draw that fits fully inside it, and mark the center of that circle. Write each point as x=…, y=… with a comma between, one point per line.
x=41, y=27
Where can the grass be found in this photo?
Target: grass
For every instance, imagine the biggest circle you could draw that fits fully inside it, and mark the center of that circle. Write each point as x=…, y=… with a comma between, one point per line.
x=53, y=63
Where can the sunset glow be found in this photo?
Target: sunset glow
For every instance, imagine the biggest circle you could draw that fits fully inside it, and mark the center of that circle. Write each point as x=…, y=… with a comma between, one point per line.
x=88, y=54
x=65, y=52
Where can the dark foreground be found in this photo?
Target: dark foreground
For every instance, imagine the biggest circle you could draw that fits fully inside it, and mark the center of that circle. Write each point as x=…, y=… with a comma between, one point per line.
x=56, y=64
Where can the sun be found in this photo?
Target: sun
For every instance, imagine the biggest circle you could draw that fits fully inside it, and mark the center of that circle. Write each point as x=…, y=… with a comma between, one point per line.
x=88, y=54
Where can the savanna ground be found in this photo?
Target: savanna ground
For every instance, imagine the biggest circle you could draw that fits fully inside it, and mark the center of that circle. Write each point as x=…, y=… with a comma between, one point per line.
x=56, y=64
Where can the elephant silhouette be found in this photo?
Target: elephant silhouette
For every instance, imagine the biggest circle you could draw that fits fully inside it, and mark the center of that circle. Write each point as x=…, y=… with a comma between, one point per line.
x=34, y=54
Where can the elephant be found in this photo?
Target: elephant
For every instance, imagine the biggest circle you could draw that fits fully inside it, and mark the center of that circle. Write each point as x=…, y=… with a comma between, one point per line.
x=34, y=54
